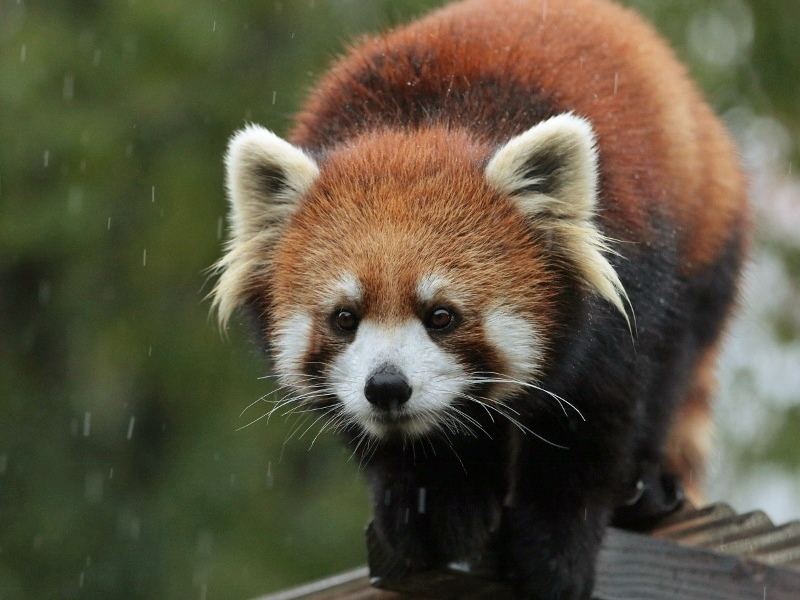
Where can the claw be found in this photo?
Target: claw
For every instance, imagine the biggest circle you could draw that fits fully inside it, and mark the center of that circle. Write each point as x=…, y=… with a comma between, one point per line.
x=655, y=495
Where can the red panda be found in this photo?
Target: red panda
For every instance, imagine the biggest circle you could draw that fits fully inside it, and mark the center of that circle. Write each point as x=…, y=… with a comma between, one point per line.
x=498, y=251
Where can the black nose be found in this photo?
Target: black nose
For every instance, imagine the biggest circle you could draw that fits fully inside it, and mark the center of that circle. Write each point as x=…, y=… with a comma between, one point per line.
x=387, y=389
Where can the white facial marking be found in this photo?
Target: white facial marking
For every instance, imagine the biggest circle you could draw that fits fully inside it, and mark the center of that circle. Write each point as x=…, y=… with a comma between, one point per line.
x=346, y=287
x=430, y=285
x=436, y=378
x=517, y=341
x=291, y=342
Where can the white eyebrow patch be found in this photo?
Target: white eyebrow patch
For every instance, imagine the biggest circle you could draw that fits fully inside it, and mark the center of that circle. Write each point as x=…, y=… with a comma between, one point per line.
x=429, y=286
x=517, y=341
x=346, y=287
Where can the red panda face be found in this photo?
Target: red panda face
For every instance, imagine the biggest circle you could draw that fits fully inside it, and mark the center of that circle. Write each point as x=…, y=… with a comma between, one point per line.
x=409, y=275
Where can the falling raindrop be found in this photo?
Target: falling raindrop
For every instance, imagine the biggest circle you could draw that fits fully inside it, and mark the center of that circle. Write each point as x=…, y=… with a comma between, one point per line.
x=136, y=528
x=45, y=292
x=68, y=90
x=205, y=543
x=93, y=489
x=75, y=200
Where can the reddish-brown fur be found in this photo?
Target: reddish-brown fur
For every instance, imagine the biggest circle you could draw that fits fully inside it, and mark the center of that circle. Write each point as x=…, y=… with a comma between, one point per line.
x=633, y=113
x=689, y=439
x=592, y=57
x=370, y=229
x=583, y=290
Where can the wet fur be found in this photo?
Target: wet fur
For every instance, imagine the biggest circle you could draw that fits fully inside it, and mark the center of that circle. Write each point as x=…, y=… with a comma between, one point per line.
x=414, y=117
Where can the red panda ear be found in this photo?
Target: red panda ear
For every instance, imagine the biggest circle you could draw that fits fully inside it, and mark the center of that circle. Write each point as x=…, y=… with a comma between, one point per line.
x=550, y=170
x=550, y=173
x=266, y=179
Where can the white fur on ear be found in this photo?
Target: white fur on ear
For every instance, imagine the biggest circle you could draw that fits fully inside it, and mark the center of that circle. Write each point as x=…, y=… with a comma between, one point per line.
x=266, y=178
x=550, y=173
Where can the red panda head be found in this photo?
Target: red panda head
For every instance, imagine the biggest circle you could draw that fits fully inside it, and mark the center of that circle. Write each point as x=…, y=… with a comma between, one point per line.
x=406, y=275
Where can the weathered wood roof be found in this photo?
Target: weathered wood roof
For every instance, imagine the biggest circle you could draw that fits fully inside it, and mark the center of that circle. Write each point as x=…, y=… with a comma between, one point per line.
x=706, y=554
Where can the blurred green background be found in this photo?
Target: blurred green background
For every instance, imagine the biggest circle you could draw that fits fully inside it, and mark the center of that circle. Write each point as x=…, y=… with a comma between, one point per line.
x=125, y=469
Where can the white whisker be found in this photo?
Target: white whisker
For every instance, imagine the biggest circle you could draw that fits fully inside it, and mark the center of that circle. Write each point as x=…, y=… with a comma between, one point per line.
x=500, y=378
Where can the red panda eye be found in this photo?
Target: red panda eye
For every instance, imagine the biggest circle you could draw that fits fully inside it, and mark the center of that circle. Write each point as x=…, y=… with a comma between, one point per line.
x=345, y=320
x=439, y=319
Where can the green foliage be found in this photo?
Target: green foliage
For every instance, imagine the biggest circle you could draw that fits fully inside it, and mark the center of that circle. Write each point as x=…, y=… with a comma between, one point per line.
x=123, y=469
x=780, y=448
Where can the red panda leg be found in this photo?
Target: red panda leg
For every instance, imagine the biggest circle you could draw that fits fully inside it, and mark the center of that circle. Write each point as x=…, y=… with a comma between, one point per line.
x=690, y=437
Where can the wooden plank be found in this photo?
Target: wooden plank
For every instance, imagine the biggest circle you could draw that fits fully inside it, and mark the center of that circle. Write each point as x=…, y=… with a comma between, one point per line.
x=631, y=567
x=687, y=520
x=638, y=567
x=708, y=554
x=717, y=532
x=350, y=585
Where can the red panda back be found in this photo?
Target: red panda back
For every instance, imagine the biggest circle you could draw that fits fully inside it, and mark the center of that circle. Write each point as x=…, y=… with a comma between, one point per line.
x=497, y=67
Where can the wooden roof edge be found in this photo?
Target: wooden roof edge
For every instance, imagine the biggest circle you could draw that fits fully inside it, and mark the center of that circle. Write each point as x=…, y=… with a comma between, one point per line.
x=708, y=554
x=336, y=584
